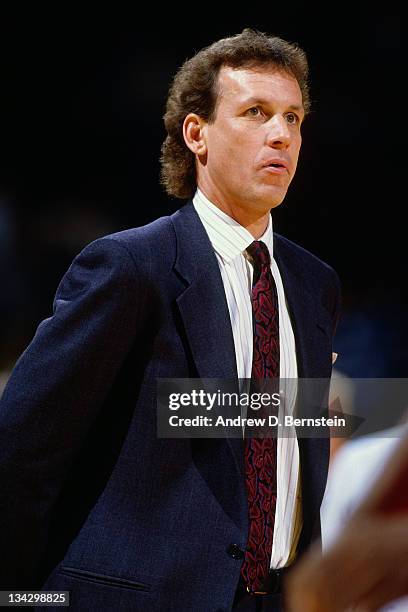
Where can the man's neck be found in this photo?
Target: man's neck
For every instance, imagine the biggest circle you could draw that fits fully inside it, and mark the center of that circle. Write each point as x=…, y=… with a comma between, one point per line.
x=255, y=222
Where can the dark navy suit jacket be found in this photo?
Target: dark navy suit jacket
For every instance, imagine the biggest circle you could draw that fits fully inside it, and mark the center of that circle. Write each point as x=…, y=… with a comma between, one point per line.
x=91, y=500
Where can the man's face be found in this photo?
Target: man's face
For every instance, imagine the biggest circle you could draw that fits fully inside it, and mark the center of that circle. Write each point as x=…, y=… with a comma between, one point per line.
x=253, y=145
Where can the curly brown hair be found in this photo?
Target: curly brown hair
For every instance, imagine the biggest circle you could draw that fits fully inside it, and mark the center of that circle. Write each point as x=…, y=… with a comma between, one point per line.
x=194, y=90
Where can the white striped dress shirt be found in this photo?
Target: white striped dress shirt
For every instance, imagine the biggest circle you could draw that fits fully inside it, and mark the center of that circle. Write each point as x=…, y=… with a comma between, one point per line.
x=229, y=240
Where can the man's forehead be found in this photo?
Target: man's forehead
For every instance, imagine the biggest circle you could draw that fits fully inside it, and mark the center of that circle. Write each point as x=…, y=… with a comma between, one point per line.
x=259, y=81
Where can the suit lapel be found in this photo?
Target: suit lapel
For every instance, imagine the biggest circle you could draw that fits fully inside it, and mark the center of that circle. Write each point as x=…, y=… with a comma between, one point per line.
x=312, y=330
x=203, y=307
x=310, y=321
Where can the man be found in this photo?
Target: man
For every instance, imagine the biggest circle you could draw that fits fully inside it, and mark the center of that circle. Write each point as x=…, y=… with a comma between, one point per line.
x=365, y=565
x=96, y=504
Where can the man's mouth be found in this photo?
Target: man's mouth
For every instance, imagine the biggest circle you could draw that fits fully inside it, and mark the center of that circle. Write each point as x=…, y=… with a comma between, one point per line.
x=276, y=166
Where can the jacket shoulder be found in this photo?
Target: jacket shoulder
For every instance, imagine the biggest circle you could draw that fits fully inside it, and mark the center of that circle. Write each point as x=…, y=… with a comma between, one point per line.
x=145, y=245
x=301, y=260
x=156, y=232
x=320, y=279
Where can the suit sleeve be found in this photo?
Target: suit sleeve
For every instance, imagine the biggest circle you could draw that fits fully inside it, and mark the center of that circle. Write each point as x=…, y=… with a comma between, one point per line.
x=54, y=394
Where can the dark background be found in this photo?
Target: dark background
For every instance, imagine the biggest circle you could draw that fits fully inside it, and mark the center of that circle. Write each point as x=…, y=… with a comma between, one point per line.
x=80, y=122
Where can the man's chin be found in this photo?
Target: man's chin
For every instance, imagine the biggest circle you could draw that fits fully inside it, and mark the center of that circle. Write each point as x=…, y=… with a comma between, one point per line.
x=276, y=203
x=274, y=200
x=273, y=196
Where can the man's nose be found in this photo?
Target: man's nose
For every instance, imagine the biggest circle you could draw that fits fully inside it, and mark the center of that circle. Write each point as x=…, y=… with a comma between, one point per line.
x=278, y=134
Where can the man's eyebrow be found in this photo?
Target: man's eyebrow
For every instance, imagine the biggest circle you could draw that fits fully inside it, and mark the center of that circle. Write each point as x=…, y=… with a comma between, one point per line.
x=265, y=102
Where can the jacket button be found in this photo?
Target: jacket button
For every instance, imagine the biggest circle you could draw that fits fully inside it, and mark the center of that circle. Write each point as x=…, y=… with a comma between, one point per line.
x=235, y=551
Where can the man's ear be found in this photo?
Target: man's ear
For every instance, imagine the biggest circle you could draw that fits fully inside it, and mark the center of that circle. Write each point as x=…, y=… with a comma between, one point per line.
x=194, y=134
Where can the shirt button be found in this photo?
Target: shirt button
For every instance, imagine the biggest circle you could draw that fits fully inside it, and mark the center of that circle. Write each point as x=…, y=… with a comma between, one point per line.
x=235, y=551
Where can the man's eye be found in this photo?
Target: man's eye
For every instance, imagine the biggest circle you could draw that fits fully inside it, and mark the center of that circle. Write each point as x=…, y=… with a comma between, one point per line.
x=254, y=111
x=292, y=118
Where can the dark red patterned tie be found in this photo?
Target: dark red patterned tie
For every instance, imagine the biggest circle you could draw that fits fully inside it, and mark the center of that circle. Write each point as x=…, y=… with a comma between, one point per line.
x=260, y=452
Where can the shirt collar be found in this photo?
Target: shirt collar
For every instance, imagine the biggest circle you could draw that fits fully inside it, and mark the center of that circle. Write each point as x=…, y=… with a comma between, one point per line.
x=228, y=238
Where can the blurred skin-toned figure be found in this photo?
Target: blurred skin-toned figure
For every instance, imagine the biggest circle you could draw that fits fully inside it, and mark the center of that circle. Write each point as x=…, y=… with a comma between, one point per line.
x=367, y=566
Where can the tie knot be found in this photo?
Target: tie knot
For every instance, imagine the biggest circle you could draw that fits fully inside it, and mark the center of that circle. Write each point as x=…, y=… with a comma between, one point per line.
x=259, y=253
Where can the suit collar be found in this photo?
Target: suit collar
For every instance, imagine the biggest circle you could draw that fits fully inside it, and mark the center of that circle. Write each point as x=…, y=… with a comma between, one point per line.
x=310, y=320
x=203, y=304
x=204, y=309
